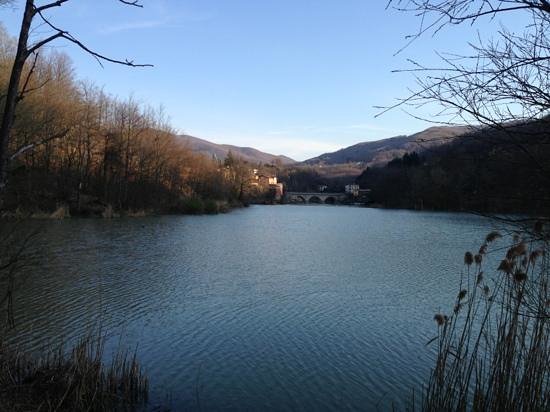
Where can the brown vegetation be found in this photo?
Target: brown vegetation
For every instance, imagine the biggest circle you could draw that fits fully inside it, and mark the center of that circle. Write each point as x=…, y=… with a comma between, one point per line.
x=19, y=84
x=108, y=155
x=493, y=347
x=57, y=379
x=77, y=380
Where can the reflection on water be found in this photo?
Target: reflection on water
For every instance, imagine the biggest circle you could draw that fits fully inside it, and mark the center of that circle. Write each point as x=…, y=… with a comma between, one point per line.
x=282, y=307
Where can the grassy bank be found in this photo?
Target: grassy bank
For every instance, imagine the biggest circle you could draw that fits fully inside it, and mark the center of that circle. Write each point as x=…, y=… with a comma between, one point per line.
x=71, y=380
x=191, y=206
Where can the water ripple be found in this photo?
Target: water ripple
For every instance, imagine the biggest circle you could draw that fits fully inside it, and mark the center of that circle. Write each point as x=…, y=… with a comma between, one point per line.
x=272, y=308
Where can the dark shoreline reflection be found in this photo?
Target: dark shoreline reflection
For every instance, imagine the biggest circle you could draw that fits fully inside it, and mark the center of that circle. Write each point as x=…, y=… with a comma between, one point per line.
x=283, y=307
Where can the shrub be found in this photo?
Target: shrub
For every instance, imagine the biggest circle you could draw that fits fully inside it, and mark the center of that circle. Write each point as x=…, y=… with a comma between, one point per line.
x=210, y=207
x=193, y=206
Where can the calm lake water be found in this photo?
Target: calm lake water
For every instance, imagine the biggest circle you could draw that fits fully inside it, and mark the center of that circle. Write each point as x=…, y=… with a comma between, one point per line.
x=265, y=308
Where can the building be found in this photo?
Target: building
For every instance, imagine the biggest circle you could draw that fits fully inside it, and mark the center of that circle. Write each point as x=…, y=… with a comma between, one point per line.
x=267, y=184
x=352, y=189
x=262, y=180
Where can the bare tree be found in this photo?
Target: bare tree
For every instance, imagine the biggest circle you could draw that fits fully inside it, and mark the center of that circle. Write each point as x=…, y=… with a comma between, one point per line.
x=24, y=51
x=504, y=79
x=501, y=88
x=492, y=351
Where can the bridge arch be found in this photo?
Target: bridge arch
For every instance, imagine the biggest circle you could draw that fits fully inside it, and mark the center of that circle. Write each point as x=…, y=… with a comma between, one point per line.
x=314, y=198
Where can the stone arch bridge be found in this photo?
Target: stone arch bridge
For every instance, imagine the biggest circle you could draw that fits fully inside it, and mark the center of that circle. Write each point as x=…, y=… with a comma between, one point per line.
x=315, y=198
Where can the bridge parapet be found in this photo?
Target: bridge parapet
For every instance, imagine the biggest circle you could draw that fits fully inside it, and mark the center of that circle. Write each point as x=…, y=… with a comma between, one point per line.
x=315, y=198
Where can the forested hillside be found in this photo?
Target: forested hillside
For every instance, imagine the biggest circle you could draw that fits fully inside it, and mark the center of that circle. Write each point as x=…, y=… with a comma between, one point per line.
x=74, y=146
x=505, y=169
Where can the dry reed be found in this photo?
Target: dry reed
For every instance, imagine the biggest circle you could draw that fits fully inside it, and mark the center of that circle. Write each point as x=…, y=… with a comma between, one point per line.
x=493, y=350
x=77, y=380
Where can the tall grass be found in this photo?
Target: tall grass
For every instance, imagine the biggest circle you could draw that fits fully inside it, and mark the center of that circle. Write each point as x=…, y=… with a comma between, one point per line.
x=59, y=379
x=76, y=380
x=493, y=348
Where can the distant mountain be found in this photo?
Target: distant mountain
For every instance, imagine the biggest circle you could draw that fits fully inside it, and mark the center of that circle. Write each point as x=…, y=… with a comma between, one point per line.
x=500, y=169
x=220, y=151
x=380, y=152
x=358, y=156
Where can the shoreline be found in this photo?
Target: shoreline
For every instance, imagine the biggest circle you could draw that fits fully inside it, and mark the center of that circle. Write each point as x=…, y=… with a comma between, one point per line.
x=221, y=207
x=63, y=212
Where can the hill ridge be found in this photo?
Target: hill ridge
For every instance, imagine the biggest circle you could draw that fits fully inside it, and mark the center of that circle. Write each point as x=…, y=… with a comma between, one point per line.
x=379, y=152
x=220, y=151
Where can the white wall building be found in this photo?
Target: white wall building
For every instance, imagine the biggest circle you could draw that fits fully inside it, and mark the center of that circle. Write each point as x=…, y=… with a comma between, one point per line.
x=352, y=189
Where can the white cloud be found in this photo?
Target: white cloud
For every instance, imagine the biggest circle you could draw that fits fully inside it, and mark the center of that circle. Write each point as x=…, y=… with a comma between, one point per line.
x=136, y=25
x=163, y=19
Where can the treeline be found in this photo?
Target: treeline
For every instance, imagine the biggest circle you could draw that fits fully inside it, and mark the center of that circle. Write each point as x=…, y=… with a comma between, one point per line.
x=75, y=146
x=308, y=178
x=504, y=169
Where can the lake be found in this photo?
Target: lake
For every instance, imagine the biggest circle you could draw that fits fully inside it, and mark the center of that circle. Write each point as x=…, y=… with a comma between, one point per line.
x=264, y=308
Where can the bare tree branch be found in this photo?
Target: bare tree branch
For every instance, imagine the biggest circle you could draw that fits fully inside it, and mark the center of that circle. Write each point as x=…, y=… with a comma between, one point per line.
x=25, y=89
x=49, y=6
x=31, y=146
x=67, y=36
x=134, y=3
x=23, y=52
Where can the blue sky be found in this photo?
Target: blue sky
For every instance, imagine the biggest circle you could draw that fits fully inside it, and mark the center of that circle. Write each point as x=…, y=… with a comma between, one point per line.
x=293, y=77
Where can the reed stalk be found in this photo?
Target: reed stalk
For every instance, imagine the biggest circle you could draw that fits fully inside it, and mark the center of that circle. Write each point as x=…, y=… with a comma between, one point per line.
x=75, y=380
x=493, y=349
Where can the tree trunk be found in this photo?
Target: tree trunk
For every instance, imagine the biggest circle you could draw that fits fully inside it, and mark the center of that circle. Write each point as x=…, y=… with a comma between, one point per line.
x=12, y=96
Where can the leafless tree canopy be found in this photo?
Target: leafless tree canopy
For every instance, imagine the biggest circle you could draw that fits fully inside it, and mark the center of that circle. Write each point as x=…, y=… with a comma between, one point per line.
x=32, y=13
x=505, y=78
x=499, y=88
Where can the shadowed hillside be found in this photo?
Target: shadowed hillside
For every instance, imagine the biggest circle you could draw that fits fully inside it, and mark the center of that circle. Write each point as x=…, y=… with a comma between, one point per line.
x=489, y=170
x=382, y=151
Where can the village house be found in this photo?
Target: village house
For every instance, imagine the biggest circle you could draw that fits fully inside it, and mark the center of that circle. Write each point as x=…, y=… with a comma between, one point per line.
x=269, y=183
x=352, y=189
